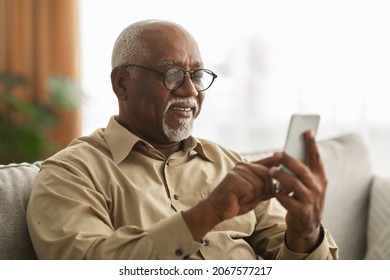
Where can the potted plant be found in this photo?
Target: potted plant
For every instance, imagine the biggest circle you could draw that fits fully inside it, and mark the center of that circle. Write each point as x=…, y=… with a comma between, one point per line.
x=24, y=124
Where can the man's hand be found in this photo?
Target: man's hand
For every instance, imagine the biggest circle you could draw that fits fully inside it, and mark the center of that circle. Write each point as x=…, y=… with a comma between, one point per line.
x=239, y=192
x=304, y=197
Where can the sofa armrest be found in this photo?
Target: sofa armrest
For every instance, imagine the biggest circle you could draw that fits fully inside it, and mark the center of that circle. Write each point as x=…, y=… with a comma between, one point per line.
x=378, y=226
x=16, y=181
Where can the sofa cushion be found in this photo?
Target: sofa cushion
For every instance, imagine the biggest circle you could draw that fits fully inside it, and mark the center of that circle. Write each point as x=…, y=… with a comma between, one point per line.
x=15, y=186
x=378, y=232
x=348, y=168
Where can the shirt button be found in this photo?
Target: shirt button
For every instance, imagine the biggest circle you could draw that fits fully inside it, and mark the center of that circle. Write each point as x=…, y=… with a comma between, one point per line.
x=176, y=196
x=205, y=242
x=178, y=252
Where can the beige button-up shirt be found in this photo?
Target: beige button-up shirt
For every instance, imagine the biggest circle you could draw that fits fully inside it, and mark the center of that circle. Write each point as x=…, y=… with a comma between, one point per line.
x=112, y=195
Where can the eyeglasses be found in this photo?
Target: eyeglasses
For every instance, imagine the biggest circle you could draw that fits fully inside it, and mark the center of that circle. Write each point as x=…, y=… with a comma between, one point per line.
x=174, y=77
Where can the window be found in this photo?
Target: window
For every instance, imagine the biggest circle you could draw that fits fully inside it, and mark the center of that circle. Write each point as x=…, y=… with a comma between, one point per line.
x=273, y=58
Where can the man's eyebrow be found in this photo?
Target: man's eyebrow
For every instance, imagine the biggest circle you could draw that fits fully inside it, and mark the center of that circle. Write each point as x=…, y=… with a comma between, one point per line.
x=177, y=63
x=199, y=65
x=169, y=63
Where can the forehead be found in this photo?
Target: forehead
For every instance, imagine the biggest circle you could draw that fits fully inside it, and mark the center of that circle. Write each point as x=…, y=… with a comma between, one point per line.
x=169, y=44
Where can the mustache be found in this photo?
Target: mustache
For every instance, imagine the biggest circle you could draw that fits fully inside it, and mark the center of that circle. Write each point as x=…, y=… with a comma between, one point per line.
x=189, y=100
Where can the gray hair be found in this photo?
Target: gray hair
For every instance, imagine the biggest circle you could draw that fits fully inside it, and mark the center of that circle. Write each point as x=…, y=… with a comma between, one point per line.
x=129, y=47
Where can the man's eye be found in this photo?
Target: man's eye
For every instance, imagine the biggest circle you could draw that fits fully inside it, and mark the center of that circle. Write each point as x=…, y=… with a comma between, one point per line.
x=173, y=74
x=197, y=76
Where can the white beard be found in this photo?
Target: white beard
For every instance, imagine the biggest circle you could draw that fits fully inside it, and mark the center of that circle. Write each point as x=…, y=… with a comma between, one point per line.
x=183, y=132
x=185, y=124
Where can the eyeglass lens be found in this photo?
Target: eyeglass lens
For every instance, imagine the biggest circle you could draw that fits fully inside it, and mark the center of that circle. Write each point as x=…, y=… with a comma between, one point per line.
x=175, y=77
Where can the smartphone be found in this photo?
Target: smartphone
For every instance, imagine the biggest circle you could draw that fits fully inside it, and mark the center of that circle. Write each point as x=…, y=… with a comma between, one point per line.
x=295, y=142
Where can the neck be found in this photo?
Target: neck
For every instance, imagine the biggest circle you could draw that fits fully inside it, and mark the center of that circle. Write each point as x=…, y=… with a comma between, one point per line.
x=167, y=149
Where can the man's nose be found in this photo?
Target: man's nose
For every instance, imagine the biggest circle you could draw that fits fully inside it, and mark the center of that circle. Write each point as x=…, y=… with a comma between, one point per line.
x=187, y=88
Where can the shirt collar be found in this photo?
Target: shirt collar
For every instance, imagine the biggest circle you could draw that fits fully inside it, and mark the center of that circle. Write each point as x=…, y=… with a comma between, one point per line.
x=191, y=143
x=120, y=141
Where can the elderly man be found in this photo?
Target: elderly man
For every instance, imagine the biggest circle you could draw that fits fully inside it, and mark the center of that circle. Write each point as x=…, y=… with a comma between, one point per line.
x=144, y=188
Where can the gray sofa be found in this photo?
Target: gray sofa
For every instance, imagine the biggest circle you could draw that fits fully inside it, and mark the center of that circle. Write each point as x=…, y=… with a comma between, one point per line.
x=356, y=210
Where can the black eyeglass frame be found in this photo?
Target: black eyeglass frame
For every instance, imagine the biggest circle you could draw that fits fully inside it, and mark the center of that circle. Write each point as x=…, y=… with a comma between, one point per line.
x=163, y=73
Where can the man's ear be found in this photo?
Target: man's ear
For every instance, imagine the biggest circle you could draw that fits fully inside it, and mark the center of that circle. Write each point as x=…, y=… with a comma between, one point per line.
x=119, y=82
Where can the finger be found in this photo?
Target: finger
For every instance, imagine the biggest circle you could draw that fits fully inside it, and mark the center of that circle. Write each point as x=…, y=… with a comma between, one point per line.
x=292, y=186
x=269, y=161
x=262, y=172
x=278, y=175
x=313, y=158
x=245, y=176
x=296, y=199
x=298, y=168
x=250, y=184
x=288, y=202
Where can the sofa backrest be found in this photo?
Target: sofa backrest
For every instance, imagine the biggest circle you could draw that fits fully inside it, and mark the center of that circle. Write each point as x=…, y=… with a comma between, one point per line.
x=15, y=187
